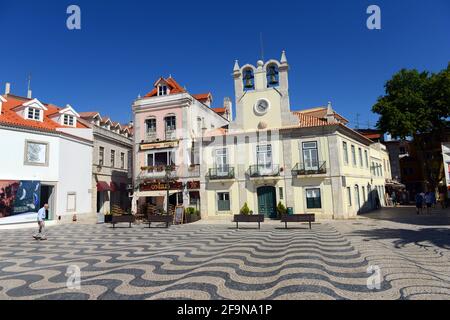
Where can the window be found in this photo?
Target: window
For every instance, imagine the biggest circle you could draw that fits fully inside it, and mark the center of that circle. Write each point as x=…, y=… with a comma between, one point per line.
x=36, y=153
x=129, y=161
x=122, y=160
x=164, y=158
x=313, y=199
x=364, y=193
x=222, y=161
x=34, y=114
x=310, y=155
x=361, y=164
x=281, y=193
x=68, y=120
x=353, y=155
x=367, y=158
x=101, y=156
x=223, y=201
x=264, y=156
x=349, y=196
x=151, y=125
x=170, y=123
x=344, y=147
x=113, y=158
x=162, y=90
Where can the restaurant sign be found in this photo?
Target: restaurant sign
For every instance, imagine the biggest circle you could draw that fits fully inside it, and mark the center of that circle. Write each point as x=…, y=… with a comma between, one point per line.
x=173, y=185
x=159, y=145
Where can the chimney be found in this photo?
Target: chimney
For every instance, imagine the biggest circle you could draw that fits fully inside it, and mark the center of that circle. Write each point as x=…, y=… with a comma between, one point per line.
x=8, y=88
x=29, y=94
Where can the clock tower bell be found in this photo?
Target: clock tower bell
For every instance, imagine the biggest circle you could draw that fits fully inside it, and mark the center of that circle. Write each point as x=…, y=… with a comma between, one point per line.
x=262, y=95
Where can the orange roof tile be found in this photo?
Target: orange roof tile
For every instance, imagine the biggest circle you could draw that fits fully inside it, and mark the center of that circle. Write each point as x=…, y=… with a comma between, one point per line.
x=219, y=110
x=10, y=117
x=174, y=87
x=321, y=112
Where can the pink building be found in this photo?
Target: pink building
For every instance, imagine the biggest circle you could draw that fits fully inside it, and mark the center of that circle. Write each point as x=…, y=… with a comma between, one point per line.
x=166, y=122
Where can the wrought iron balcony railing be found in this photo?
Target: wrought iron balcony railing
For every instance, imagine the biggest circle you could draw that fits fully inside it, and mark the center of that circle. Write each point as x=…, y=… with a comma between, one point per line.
x=263, y=170
x=158, y=172
x=150, y=136
x=170, y=135
x=302, y=169
x=225, y=172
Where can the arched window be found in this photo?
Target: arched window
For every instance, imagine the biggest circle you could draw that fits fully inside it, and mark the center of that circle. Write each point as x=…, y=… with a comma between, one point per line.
x=272, y=76
x=249, y=79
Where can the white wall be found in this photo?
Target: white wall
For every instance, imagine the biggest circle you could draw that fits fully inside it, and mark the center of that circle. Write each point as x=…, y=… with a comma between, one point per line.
x=12, y=146
x=75, y=176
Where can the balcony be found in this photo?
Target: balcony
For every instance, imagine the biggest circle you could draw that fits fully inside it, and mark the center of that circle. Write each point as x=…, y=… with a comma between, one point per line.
x=220, y=173
x=158, y=172
x=170, y=135
x=193, y=171
x=313, y=168
x=151, y=136
x=262, y=170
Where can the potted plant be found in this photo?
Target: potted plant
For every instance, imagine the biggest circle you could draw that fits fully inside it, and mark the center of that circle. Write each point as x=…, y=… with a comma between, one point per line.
x=246, y=215
x=245, y=210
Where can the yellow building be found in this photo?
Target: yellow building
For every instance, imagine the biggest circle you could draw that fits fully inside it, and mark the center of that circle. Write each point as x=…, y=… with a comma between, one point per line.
x=307, y=160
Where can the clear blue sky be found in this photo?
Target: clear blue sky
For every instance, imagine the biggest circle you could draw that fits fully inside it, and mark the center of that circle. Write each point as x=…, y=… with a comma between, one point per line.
x=125, y=45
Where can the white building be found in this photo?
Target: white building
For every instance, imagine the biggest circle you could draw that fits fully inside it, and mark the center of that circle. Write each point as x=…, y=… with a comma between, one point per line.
x=446, y=159
x=47, y=146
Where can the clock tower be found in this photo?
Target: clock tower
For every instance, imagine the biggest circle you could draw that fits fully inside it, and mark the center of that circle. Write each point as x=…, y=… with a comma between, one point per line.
x=262, y=95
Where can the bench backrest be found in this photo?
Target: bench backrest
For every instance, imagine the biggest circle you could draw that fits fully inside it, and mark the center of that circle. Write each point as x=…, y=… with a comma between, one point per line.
x=249, y=218
x=298, y=218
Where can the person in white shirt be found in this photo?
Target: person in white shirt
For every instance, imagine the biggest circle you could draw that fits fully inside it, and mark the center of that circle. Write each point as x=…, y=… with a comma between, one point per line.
x=42, y=213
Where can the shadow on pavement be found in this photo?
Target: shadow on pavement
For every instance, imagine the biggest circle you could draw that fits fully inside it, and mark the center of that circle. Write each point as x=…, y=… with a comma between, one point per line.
x=408, y=215
x=439, y=237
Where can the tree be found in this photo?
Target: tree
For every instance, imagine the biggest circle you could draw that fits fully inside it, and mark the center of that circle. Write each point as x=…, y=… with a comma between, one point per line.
x=417, y=105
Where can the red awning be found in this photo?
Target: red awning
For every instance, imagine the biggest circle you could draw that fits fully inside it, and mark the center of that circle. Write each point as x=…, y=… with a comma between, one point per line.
x=114, y=187
x=103, y=186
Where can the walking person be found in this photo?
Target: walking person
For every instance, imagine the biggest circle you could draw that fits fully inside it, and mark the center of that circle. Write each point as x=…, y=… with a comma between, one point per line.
x=419, y=203
x=429, y=200
x=42, y=213
x=394, y=199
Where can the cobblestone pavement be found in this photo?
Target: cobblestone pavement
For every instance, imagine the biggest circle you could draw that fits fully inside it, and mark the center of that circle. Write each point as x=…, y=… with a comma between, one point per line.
x=215, y=261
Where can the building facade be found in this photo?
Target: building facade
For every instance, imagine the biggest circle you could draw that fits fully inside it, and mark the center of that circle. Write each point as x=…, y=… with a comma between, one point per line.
x=111, y=163
x=46, y=158
x=307, y=160
x=166, y=159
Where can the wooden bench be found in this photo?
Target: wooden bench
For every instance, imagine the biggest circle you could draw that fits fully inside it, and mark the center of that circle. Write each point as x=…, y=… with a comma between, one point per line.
x=248, y=218
x=167, y=219
x=298, y=218
x=127, y=218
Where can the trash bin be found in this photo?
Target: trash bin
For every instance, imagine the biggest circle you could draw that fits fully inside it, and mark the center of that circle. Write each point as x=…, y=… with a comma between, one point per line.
x=290, y=211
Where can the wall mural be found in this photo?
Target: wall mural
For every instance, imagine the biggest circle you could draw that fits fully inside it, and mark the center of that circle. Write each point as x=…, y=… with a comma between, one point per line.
x=19, y=197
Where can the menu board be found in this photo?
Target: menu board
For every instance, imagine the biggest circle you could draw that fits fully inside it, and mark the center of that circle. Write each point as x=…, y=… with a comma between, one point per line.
x=179, y=215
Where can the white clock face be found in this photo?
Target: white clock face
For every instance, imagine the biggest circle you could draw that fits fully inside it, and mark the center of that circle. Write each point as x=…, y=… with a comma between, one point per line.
x=261, y=106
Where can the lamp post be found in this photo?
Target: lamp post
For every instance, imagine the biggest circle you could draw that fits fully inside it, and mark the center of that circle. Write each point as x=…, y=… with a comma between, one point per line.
x=168, y=178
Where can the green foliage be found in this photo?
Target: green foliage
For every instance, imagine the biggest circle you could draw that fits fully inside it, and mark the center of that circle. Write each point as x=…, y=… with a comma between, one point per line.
x=281, y=209
x=245, y=210
x=190, y=211
x=414, y=103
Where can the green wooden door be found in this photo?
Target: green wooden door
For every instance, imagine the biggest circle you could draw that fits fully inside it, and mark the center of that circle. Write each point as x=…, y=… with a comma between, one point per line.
x=267, y=202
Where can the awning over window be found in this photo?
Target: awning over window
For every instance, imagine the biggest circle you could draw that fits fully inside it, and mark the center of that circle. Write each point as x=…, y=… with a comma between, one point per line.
x=103, y=186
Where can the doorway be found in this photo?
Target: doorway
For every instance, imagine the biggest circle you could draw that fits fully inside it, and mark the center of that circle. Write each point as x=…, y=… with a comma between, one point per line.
x=47, y=196
x=267, y=202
